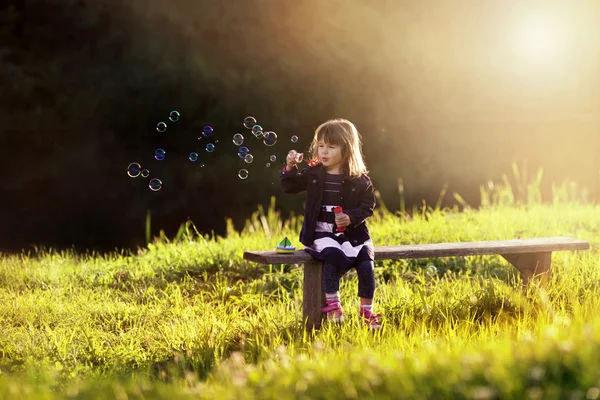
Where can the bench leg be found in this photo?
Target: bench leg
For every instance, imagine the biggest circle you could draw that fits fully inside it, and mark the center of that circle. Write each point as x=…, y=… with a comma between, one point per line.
x=313, y=297
x=531, y=265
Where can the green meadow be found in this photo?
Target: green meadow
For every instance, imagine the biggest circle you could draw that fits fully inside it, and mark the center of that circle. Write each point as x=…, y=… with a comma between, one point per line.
x=187, y=317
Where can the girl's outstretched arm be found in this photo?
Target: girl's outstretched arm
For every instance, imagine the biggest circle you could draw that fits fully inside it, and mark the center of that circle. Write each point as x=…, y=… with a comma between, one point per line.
x=293, y=181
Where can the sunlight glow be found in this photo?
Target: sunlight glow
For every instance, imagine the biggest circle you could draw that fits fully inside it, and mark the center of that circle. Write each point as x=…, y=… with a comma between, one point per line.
x=540, y=40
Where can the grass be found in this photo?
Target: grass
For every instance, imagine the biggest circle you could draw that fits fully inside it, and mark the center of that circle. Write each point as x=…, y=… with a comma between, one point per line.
x=189, y=318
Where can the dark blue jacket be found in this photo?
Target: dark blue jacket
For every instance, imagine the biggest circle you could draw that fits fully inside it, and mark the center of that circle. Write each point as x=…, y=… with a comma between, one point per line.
x=358, y=201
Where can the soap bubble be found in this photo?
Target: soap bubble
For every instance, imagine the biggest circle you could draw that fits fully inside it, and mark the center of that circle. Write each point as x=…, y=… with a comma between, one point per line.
x=273, y=158
x=174, y=116
x=145, y=173
x=294, y=139
x=210, y=147
x=270, y=138
x=161, y=127
x=207, y=131
x=257, y=129
x=155, y=184
x=249, y=158
x=238, y=139
x=193, y=156
x=133, y=170
x=431, y=270
x=249, y=122
x=299, y=157
x=243, y=173
x=268, y=164
x=242, y=151
x=159, y=154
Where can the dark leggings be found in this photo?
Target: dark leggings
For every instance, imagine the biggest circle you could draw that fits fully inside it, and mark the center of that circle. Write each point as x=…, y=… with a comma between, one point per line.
x=366, y=278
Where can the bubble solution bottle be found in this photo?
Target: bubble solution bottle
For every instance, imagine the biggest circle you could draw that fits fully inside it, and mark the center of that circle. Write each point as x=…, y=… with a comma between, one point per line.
x=338, y=210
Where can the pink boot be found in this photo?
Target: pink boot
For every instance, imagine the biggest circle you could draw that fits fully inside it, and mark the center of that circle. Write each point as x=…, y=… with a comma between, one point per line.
x=370, y=318
x=334, y=311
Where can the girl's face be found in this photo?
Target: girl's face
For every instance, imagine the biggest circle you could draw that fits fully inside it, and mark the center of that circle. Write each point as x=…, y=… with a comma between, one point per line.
x=330, y=156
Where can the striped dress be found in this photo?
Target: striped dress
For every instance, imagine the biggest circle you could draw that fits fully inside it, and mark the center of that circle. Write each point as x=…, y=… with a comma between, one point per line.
x=329, y=245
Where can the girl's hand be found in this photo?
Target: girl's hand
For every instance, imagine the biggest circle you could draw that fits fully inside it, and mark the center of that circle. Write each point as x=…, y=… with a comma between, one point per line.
x=342, y=220
x=291, y=159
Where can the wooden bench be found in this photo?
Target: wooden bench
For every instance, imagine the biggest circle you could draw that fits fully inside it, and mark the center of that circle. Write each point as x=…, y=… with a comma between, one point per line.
x=532, y=257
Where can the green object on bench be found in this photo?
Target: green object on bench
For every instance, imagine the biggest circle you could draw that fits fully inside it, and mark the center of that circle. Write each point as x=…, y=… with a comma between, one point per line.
x=285, y=247
x=532, y=257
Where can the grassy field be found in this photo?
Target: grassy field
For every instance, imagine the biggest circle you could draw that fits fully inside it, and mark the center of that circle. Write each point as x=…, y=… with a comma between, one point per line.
x=189, y=318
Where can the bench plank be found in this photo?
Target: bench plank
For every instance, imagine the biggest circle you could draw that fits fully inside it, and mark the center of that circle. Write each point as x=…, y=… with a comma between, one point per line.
x=513, y=246
x=532, y=257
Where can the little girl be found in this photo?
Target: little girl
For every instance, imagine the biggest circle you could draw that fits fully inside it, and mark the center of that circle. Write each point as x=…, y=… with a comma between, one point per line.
x=337, y=176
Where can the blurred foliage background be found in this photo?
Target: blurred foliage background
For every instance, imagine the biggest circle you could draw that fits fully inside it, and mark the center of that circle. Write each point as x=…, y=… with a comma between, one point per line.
x=443, y=93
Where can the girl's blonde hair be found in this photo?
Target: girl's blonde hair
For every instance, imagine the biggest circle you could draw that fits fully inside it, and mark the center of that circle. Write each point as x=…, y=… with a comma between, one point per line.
x=341, y=132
